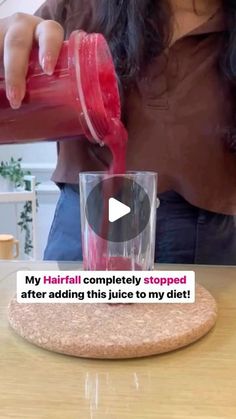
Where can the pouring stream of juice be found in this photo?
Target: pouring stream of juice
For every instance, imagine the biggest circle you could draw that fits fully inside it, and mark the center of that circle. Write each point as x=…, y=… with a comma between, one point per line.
x=81, y=98
x=116, y=141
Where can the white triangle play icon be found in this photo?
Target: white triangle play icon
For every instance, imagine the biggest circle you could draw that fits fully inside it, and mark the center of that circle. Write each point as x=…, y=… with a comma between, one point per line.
x=117, y=210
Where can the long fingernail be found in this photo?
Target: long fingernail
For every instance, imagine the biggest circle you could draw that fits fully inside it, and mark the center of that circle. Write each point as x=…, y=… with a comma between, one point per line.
x=48, y=64
x=14, y=96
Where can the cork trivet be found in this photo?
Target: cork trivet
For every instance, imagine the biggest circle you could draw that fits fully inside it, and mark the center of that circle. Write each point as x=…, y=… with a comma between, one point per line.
x=114, y=331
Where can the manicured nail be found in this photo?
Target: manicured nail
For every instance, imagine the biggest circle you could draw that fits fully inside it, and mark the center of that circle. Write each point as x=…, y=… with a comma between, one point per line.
x=48, y=64
x=14, y=96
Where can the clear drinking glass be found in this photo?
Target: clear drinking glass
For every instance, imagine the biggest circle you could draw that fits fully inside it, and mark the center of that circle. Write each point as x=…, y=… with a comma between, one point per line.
x=120, y=250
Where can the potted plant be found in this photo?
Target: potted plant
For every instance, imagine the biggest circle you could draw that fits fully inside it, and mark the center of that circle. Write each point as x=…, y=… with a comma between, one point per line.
x=12, y=177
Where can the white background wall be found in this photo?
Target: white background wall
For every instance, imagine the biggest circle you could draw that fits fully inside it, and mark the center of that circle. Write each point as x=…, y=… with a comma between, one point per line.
x=39, y=158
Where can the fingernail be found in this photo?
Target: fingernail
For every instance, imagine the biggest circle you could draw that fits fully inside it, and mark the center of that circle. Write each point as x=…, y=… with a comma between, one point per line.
x=14, y=96
x=48, y=64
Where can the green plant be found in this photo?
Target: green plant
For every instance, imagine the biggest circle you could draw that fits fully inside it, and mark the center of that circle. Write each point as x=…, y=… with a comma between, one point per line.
x=13, y=171
x=25, y=220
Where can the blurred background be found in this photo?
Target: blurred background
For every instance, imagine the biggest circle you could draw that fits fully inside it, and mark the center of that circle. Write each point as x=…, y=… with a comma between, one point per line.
x=40, y=160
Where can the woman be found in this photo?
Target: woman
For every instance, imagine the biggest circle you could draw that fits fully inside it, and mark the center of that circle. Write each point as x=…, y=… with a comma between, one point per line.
x=176, y=64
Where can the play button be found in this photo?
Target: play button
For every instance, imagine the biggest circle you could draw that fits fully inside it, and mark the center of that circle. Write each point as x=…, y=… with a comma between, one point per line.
x=118, y=209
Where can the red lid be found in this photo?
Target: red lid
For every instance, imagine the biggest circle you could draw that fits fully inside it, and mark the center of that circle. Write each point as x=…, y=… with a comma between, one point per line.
x=95, y=83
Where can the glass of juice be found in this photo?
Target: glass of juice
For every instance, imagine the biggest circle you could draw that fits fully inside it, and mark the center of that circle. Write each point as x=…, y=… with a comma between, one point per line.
x=118, y=220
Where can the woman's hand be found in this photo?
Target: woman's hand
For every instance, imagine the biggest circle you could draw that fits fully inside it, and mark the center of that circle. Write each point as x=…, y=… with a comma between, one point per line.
x=18, y=33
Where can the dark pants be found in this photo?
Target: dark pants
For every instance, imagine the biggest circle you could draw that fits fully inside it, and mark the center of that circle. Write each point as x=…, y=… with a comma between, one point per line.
x=185, y=234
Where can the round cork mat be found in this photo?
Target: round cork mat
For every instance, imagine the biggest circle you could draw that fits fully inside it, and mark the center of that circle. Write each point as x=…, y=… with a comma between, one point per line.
x=114, y=331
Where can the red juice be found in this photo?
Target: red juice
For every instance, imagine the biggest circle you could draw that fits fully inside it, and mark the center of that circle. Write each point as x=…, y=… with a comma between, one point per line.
x=116, y=141
x=115, y=263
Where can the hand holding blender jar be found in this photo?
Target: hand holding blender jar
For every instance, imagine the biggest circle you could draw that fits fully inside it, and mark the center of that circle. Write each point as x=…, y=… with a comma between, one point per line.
x=70, y=90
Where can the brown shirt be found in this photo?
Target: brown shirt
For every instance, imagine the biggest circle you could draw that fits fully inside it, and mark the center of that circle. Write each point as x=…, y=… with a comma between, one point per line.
x=176, y=117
